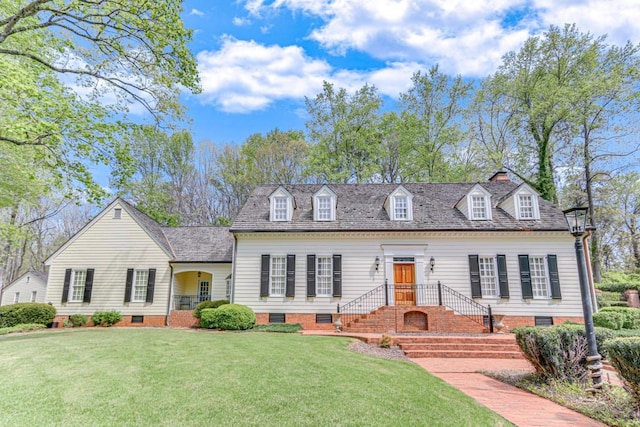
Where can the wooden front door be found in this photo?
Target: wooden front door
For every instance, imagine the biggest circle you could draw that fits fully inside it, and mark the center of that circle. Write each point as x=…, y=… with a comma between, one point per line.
x=404, y=278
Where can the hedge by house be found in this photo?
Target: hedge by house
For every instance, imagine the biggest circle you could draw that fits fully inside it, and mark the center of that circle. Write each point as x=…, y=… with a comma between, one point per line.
x=559, y=351
x=26, y=312
x=631, y=316
x=624, y=354
x=106, y=318
x=208, y=304
x=230, y=317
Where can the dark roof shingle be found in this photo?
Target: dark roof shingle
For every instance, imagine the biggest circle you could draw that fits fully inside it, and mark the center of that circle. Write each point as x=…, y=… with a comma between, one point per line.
x=200, y=244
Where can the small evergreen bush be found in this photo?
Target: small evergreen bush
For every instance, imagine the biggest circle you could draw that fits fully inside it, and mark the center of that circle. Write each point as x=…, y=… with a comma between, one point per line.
x=206, y=318
x=77, y=320
x=631, y=316
x=559, y=351
x=106, y=318
x=618, y=287
x=233, y=317
x=26, y=312
x=608, y=319
x=208, y=304
x=624, y=355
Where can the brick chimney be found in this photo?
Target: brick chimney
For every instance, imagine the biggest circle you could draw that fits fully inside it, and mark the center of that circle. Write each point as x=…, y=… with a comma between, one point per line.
x=500, y=176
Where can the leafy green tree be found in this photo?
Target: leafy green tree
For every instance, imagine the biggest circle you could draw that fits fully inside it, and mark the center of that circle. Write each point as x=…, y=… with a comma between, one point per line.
x=434, y=110
x=343, y=131
x=277, y=157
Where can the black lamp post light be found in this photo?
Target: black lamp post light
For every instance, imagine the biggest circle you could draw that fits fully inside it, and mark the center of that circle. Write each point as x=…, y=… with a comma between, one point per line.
x=577, y=221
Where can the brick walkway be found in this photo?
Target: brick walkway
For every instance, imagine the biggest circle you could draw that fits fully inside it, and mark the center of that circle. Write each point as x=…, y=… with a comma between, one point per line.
x=518, y=406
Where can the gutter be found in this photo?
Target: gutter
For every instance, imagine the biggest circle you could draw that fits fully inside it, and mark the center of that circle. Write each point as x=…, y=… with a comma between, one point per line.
x=233, y=269
x=170, y=295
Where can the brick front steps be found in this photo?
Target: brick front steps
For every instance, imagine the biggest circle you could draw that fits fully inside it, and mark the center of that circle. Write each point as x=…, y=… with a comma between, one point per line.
x=489, y=346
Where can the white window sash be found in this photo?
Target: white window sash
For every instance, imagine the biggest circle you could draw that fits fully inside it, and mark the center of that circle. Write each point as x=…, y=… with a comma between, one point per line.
x=324, y=276
x=140, y=279
x=277, y=276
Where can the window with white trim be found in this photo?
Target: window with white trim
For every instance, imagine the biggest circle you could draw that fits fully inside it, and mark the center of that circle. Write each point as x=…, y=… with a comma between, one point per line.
x=478, y=207
x=525, y=206
x=77, y=285
x=117, y=213
x=34, y=294
x=324, y=273
x=140, y=281
x=488, y=277
x=228, y=292
x=400, y=207
x=539, y=279
x=16, y=298
x=280, y=208
x=278, y=276
x=324, y=208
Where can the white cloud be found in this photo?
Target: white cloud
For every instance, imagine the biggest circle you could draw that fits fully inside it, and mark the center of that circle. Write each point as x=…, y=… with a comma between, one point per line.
x=196, y=12
x=466, y=37
x=241, y=22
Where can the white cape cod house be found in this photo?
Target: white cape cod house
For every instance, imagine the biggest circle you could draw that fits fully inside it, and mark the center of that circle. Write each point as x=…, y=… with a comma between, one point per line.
x=379, y=257
x=407, y=257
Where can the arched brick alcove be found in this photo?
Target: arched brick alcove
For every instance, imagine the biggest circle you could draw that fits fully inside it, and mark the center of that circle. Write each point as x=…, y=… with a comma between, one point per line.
x=415, y=321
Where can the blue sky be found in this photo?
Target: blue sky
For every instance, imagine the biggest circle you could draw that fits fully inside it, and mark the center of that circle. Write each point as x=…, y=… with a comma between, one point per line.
x=258, y=59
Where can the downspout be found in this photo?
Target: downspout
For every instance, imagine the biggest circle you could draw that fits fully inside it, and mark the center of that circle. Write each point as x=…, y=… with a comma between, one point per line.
x=233, y=270
x=587, y=259
x=170, y=294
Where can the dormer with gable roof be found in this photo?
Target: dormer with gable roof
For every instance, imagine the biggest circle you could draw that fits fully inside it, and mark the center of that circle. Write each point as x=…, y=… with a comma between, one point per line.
x=399, y=205
x=324, y=204
x=476, y=204
x=522, y=203
x=281, y=205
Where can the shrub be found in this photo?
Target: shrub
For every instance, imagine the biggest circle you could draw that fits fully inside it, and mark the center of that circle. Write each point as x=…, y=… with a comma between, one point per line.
x=618, y=287
x=608, y=319
x=26, y=312
x=631, y=316
x=78, y=320
x=22, y=328
x=287, y=328
x=559, y=351
x=385, y=341
x=233, y=317
x=206, y=318
x=208, y=304
x=624, y=354
x=106, y=318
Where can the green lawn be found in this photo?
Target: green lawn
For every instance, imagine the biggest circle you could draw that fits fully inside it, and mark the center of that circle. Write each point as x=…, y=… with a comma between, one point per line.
x=114, y=376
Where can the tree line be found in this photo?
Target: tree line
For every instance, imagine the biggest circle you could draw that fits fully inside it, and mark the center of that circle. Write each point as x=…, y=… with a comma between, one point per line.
x=560, y=114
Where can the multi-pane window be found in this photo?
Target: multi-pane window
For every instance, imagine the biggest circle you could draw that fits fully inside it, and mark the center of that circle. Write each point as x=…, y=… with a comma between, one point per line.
x=33, y=296
x=478, y=207
x=140, y=285
x=228, y=287
x=280, y=209
x=400, y=207
x=16, y=298
x=204, y=291
x=324, y=208
x=525, y=202
x=539, y=282
x=77, y=285
x=323, y=276
x=278, y=275
x=488, y=277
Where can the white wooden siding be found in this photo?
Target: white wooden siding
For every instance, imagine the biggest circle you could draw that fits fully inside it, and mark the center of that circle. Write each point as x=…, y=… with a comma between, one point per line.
x=450, y=252
x=110, y=246
x=509, y=206
x=25, y=285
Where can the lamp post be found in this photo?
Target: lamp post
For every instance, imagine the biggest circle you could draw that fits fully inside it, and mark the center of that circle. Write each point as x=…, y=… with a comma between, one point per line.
x=577, y=220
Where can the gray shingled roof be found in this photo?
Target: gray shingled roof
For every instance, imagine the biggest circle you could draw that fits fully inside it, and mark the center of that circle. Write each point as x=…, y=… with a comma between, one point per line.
x=39, y=274
x=200, y=244
x=360, y=207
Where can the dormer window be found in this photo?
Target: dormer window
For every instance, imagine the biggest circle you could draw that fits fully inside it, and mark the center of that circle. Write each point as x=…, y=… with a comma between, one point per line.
x=324, y=205
x=399, y=205
x=476, y=205
x=281, y=205
x=526, y=204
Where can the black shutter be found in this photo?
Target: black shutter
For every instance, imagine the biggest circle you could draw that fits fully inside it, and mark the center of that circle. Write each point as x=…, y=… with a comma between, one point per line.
x=311, y=275
x=127, y=287
x=525, y=276
x=291, y=276
x=151, y=284
x=474, y=274
x=554, y=277
x=264, y=276
x=65, y=287
x=503, y=280
x=88, y=285
x=337, y=275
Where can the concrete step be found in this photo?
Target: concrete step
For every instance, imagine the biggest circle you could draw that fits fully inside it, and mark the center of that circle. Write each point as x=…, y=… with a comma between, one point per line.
x=464, y=354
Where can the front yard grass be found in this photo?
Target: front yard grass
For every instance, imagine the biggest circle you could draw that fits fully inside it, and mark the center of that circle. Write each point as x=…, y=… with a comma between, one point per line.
x=117, y=376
